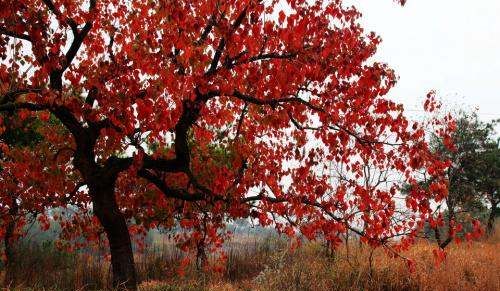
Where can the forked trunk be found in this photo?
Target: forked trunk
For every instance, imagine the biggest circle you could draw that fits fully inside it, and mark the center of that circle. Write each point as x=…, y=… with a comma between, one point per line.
x=115, y=226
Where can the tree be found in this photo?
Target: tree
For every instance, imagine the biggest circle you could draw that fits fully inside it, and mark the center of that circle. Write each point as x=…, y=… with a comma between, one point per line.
x=473, y=175
x=482, y=165
x=480, y=161
x=148, y=91
x=14, y=134
x=489, y=181
x=25, y=197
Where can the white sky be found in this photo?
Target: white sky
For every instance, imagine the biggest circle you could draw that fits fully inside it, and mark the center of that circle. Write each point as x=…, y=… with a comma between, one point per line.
x=452, y=46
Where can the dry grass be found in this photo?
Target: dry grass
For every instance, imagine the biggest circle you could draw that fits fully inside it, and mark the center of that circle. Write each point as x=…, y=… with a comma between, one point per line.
x=270, y=265
x=474, y=266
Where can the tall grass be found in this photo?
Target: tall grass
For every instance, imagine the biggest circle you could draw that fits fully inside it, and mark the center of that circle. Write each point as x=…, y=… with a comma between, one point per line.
x=44, y=267
x=267, y=263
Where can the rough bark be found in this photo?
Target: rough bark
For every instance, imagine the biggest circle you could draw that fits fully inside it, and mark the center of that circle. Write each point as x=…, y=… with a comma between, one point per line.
x=449, y=236
x=490, y=225
x=115, y=227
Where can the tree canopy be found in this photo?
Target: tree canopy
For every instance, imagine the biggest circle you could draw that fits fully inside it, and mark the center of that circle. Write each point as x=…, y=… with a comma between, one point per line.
x=204, y=111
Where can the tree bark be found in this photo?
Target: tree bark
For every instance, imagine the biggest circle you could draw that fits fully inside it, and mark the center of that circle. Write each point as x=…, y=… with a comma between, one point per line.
x=9, y=278
x=437, y=235
x=451, y=218
x=490, y=226
x=114, y=224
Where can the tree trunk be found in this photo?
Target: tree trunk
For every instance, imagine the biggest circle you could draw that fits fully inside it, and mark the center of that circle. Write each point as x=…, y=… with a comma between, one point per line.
x=9, y=279
x=115, y=226
x=451, y=217
x=201, y=256
x=490, y=226
x=437, y=235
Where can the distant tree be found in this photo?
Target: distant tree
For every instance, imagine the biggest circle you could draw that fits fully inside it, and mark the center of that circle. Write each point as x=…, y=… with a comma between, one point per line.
x=473, y=176
x=482, y=167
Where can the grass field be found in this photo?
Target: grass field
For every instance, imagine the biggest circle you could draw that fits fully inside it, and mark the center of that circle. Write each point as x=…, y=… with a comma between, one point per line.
x=267, y=263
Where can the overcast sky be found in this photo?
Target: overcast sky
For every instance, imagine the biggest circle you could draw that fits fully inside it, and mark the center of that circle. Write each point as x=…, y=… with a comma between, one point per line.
x=452, y=46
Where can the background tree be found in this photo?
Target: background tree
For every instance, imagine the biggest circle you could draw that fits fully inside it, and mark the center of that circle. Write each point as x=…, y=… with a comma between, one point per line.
x=489, y=180
x=480, y=162
x=473, y=176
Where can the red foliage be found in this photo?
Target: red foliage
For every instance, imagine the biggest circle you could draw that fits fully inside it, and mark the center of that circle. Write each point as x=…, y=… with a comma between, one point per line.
x=439, y=256
x=213, y=110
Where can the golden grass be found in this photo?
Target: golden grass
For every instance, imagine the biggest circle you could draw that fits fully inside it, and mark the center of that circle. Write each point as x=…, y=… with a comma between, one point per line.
x=472, y=266
x=264, y=265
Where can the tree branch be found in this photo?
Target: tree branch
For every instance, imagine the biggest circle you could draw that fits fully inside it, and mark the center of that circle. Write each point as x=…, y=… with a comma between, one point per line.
x=13, y=94
x=275, y=102
x=168, y=191
x=206, y=30
x=11, y=106
x=51, y=6
x=268, y=56
x=222, y=42
x=10, y=33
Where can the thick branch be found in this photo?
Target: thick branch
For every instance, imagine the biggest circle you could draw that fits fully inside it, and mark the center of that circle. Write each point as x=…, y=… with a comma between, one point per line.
x=168, y=191
x=190, y=113
x=10, y=33
x=206, y=30
x=222, y=42
x=68, y=119
x=76, y=44
x=217, y=55
x=12, y=106
x=78, y=37
x=12, y=95
x=51, y=6
x=240, y=121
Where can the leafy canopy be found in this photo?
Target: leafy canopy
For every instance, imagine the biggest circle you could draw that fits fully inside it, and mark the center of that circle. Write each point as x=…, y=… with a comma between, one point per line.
x=208, y=110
